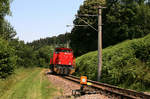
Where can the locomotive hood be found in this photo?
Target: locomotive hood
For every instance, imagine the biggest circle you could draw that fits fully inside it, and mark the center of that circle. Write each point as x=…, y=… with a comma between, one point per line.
x=65, y=58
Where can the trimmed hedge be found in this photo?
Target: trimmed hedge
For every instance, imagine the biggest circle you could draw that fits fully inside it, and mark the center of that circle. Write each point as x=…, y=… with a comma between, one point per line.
x=126, y=64
x=7, y=59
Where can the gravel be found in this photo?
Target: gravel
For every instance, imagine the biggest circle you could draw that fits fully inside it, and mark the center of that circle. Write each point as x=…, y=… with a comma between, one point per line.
x=65, y=88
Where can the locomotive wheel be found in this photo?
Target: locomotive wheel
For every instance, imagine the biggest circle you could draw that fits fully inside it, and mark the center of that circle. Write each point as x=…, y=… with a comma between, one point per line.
x=61, y=70
x=58, y=71
x=69, y=71
x=65, y=71
x=52, y=69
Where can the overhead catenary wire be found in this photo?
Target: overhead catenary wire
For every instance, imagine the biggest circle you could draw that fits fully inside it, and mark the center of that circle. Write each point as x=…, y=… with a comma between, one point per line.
x=88, y=24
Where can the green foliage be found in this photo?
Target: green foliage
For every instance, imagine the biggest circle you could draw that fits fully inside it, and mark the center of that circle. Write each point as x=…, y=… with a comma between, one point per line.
x=7, y=53
x=126, y=19
x=126, y=64
x=29, y=57
x=122, y=20
x=59, y=41
x=43, y=56
x=86, y=34
x=25, y=54
x=4, y=8
x=7, y=32
x=43, y=48
x=7, y=59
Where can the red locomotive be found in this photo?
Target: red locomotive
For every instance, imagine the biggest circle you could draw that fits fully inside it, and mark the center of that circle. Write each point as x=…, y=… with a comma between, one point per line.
x=63, y=61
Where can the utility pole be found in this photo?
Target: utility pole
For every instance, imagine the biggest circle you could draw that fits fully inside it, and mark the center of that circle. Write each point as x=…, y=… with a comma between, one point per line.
x=67, y=38
x=99, y=36
x=68, y=43
x=99, y=42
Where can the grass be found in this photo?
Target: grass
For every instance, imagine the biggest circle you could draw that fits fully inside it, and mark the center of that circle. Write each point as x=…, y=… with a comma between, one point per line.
x=27, y=84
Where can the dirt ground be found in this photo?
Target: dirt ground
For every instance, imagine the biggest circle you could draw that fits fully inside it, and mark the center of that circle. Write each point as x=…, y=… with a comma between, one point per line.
x=65, y=88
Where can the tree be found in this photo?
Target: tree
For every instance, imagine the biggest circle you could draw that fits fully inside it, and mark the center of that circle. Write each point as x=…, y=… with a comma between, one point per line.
x=7, y=59
x=6, y=30
x=43, y=56
x=126, y=19
x=4, y=8
x=55, y=41
x=7, y=52
x=25, y=54
x=122, y=20
x=84, y=39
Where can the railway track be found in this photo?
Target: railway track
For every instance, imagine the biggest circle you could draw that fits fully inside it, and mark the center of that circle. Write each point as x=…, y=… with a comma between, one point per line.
x=111, y=91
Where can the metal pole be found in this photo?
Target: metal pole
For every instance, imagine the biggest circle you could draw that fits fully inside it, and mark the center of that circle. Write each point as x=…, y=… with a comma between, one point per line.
x=99, y=43
x=68, y=43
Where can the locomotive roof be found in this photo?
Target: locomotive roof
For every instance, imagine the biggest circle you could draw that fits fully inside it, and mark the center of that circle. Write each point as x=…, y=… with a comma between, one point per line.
x=64, y=49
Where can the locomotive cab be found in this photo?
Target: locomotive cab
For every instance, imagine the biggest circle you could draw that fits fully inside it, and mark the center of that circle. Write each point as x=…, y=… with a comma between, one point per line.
x=63, y=61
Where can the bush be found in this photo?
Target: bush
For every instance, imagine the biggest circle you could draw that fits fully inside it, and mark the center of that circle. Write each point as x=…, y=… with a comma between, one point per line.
x=7, y=59
x=43, y=56
x=25, y=54
x=126, y=64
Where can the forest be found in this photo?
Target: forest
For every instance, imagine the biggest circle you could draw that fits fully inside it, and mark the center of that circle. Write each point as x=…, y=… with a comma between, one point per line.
x=122, y=20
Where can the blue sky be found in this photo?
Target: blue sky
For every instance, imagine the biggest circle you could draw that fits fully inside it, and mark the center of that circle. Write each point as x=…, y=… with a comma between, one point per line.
x=35, y=19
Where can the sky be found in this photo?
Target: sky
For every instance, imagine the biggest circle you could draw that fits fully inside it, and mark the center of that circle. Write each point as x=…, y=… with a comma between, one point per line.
x=35, y=19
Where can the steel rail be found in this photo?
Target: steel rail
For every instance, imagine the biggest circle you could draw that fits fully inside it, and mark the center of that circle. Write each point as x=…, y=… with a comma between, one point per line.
x=114, y=91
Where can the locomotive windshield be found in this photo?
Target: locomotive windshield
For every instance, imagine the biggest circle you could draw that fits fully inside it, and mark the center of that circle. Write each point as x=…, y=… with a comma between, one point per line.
x=62, y=50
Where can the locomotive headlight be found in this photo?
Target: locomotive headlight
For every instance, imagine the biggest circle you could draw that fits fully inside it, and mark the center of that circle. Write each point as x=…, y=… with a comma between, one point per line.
x=59, y=62
x=69, y=63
